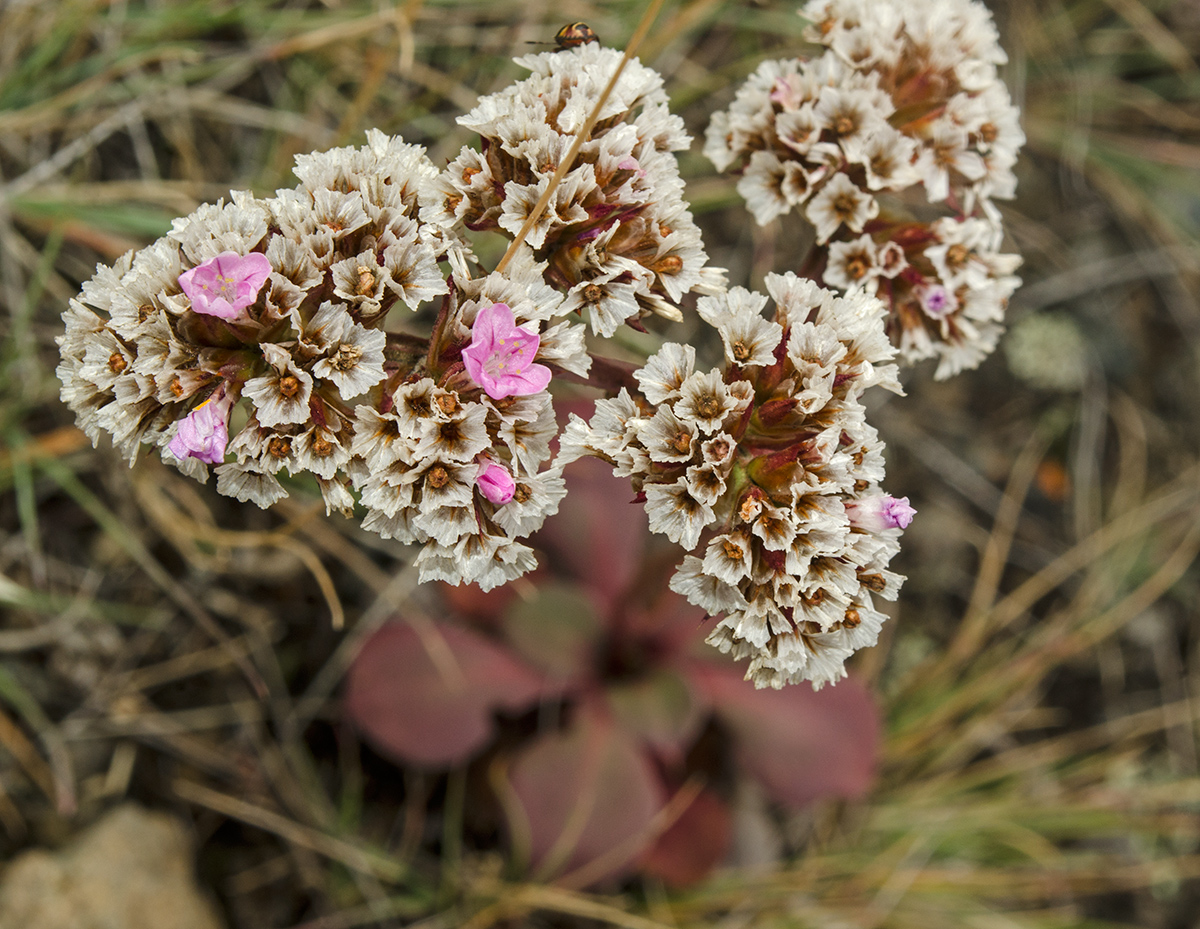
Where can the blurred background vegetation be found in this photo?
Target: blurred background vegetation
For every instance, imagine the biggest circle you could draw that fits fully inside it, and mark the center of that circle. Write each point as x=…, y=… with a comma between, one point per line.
x=1039, y=677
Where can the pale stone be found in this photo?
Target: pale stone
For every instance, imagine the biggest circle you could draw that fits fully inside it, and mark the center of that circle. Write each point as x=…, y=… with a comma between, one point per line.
x=132, y=869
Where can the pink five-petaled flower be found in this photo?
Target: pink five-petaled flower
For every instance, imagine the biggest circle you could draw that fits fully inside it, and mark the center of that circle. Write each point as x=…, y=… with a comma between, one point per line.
x=936, y=300
x=225, y=285
x=500, y=356
x=204, y=432
x=495, y=482
x=880, y=512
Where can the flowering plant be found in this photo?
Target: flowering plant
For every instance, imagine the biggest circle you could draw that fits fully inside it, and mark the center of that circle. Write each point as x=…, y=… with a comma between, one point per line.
x=259, y=335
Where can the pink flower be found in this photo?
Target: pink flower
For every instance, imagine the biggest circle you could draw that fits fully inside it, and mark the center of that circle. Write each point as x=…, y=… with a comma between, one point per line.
x=495, y=482
x=785, y=93
x=629, y=163
x=204, y=432
x=936, y=300
x=880, y=512
x=500, y=356
x=225, y=285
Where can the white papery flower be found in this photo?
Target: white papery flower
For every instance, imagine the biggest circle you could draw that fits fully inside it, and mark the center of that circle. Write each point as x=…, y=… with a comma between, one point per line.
x=755, y=468
x=834, y=134
x=616, y=234
x=853, y=264
x=665, y=371
x=840, y=202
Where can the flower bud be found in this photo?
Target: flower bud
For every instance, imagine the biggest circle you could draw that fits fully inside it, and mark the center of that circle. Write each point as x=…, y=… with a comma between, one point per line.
x=875, y=514
x=204, y=433
x=495, y=482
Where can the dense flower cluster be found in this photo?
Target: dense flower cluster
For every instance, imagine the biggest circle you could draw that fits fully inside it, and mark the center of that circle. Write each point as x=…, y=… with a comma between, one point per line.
x=768, y=470
x=274, y=302
x=946, y=282
x=617, y=237
x=267, y=314
x=251, y=338
x=452, y=458
x=905, y=98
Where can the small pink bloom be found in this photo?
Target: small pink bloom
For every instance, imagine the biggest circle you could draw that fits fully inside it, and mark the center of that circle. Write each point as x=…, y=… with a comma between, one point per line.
x=629, y=163
x=495, y=482
x=227, y=284
x=880, y=512
x=936, y=300
x=204, y=432
x=500, y=356
x=785, y=93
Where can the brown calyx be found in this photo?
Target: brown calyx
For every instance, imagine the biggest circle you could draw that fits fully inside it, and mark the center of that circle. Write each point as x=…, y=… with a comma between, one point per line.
x=750, y=505
x=844, y=206
x=450, y=433
x=366, y=281
x=681, y=442
x=873, y=582
x=856, y=266
x=321, y=446
x=957, y=255
x=708, y=406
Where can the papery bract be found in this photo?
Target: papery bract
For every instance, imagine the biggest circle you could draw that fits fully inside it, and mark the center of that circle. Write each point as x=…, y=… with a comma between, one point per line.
x=204, y=432
x=225, y=285
x=500, y=356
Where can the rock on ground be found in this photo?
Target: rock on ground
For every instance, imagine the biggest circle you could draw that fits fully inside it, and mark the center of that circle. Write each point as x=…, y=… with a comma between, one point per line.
x=132, y=869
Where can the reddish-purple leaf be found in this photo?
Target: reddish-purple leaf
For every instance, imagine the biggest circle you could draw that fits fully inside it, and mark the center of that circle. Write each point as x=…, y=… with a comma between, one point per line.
x=588, y=794
x=800, y=744
x=694, y=844
x=598, y=536
x=427, y=698
x=483, y=608
x=658, y=708
x=674, y=625
x=556, y=630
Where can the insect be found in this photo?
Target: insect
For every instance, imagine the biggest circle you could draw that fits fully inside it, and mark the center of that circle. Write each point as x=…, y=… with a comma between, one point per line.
x=572, y=35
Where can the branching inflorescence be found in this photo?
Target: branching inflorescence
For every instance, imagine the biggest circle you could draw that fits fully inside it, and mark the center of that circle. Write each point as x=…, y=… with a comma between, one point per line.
x=259, y=336
x=904, y=101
